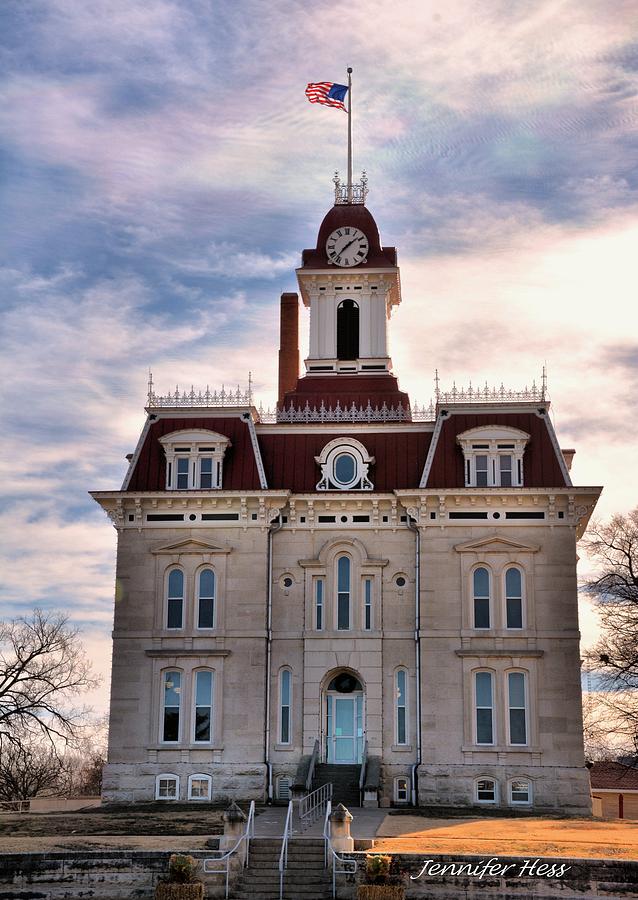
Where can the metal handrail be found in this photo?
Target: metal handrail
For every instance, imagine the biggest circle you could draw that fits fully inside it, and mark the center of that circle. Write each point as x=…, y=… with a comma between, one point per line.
x=312, y=805
x=283, y=856
x=362, y=774
x=15, y=806
x=249, y=832
x=313, y=762
x=332, y=859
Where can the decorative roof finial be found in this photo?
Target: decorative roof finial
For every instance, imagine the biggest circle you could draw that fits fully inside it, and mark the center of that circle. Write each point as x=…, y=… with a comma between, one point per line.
x=357, y=193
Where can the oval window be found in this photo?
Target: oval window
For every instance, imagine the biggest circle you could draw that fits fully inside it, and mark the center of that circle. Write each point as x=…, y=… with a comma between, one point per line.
x=345, y=468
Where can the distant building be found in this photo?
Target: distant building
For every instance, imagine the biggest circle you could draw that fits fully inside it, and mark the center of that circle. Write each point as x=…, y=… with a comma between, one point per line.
x=615, y=786
x=351, y=578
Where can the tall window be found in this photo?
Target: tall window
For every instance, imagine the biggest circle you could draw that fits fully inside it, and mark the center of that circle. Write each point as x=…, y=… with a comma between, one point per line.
x=481, y=470
x=175, y=599
x=401, y=706
x=285, y=692
x=203, y=706
x=514, y=598
x=517, y=708
x=182, y=463
x=171, y=690
x=347, y=330
x=319, y=588
x=343, y=593
x=484, y=708
x=206, y=599
x=481, y=587
x=367, y=604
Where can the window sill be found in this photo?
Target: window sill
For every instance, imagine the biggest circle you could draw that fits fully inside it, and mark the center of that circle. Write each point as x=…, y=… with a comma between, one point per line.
x=401, y=748
x=279, y=747
x=499, y=748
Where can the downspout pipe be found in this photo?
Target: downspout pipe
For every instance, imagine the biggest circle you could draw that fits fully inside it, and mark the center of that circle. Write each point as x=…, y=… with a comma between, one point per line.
x=417, y=647
x=272, y=529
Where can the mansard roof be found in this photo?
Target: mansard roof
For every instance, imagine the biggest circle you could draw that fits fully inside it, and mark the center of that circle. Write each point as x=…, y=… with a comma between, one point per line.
x=542, y=464
x=407, y=455
x=346, y=390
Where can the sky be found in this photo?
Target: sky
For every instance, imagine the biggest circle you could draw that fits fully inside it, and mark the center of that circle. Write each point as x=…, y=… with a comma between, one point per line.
x=162, y=171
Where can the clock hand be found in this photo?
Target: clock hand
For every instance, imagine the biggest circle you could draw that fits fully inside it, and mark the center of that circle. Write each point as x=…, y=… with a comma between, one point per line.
x=343, y=249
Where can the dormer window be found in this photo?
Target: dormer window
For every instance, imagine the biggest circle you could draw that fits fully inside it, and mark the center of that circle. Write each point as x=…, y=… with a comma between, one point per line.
x=194, y=459
x=493, y=456
x=344, y=466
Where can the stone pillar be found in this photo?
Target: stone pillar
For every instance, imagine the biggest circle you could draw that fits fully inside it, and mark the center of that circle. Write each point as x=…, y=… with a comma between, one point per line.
x=234, y=827
x=340, y=820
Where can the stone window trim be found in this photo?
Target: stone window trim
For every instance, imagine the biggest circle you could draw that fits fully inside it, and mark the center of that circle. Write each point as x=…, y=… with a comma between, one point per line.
x=203, y=450
x=345, y=465
x=505, y=595
x=162, y=783
x=477, y=595
x=500, y=668
x=479, y=704
x=191, y=564
x=513, y=705
x=324, y=568
x=168, y=682
x=194, y=706
x=202, y=778
x=498, y=563
x=482, y=790
x=174, y=599
x=187, y=666
x=400, y=681
x=493, y=455
x=285, y=709
x=201, y=594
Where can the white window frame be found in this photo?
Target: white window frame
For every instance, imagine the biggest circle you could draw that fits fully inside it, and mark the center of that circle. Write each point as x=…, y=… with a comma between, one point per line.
x=200, y=776
x=404, y=706
x=530, y=791
x=194, y=446
x=362, y=459
x=338, y=593
x=280, y=719
x=198, y=598
x=195, y=706
x=475, y=707
x=319, y=603
x=494, y=442
x=367, y=612
x=513, y=628
x=397, y=799
x=509, y=707
x=167, y=578
x=477, y=781
x=166, y=776
x=474, y=596
x=180, y=707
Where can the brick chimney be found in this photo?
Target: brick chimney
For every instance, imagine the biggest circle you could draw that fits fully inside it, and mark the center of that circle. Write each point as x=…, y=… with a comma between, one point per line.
x=288, y=345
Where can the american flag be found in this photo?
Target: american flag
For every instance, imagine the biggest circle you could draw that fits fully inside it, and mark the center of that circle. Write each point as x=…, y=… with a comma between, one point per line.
x=328, y=93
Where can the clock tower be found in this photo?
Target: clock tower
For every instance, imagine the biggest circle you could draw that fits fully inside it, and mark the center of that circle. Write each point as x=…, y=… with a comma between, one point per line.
x=351, y=284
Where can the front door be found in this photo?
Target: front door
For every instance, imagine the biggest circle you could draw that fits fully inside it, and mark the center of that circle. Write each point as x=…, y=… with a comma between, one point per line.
x=344, y=728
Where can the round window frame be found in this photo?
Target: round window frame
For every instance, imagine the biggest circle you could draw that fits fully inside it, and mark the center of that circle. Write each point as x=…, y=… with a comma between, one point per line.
x=345, y=450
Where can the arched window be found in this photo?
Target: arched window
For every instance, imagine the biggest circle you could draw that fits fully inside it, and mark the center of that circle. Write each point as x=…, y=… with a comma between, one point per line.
x=481, y=592
x=344, y=579
x=203, y=706
x=514, y=598
x=175, y=599
x=367, y=604
x=285, y=703
x=206, y=599
x=167, y=787
x=319, y=589
x=400, y=700
x=347, y=330
x=171, y=703
x=485, y=790
x=484, y=706
x=199, y=787
x=517, y=707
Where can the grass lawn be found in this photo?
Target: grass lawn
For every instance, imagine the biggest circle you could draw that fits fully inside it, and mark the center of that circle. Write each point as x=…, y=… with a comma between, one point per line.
x=572, y=838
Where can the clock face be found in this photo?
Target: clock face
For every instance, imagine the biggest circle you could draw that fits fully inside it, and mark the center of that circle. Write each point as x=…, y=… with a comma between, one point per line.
x=347, y=246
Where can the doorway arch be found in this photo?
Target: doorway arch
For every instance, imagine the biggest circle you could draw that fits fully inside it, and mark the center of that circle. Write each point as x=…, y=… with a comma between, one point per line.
x=343, y=706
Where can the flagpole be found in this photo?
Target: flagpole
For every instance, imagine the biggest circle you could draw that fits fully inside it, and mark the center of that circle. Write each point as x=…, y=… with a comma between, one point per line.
x=349, y=135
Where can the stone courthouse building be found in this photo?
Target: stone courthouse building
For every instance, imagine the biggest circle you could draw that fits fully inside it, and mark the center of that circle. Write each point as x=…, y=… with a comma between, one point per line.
x=351, y=580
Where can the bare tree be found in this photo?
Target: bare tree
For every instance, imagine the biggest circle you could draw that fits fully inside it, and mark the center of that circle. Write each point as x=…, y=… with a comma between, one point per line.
x=614, y=546
x=27, y=770
x=43, y=669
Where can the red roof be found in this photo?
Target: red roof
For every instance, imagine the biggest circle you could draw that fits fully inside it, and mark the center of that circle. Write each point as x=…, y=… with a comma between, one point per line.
x=541, y=467
x=346, y=390
x=289, y=458
x=240, y=468
x=614, y=776
x=357, y=216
